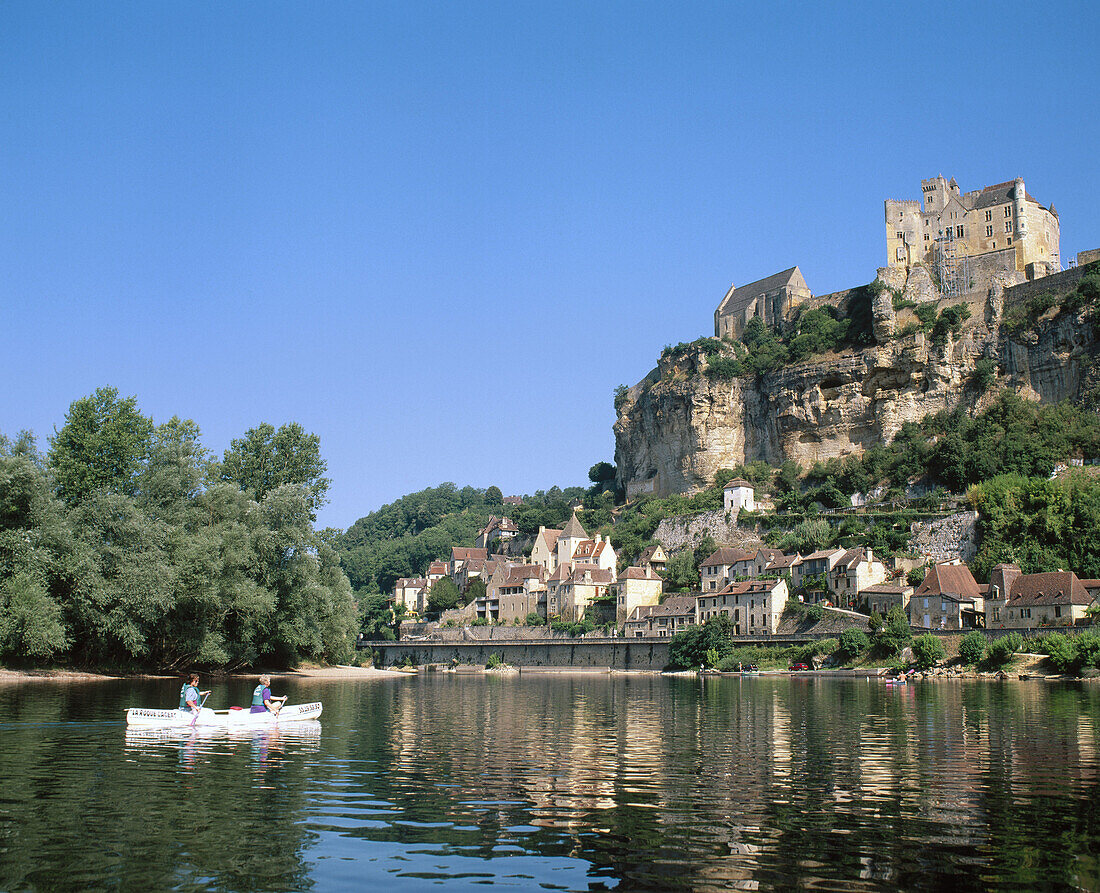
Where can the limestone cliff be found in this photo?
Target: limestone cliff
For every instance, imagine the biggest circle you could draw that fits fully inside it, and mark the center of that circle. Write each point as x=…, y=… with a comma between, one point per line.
x=678, y=426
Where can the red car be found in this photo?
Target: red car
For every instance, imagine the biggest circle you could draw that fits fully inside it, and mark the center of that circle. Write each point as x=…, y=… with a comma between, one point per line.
x=799, y=666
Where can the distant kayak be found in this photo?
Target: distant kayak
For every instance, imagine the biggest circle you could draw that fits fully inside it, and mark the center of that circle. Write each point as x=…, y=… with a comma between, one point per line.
x=144, y=717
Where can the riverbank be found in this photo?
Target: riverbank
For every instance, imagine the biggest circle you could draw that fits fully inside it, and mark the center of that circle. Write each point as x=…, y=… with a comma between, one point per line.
x=67, y=675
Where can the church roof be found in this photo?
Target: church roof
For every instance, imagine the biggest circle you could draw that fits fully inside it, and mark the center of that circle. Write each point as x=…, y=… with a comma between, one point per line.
x=740, y=298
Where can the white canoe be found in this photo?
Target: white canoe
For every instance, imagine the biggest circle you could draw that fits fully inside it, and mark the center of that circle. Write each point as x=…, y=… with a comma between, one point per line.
x=144, y=717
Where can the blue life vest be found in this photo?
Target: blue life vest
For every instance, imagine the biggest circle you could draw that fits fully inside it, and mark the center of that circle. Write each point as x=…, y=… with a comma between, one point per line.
x=188, y=691
x=258, y=695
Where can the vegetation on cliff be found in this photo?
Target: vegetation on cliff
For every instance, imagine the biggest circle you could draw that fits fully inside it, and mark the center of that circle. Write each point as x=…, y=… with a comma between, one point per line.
x=127, y=545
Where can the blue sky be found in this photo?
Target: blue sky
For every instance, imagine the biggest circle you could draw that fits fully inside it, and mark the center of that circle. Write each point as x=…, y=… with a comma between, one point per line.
x=438, y=235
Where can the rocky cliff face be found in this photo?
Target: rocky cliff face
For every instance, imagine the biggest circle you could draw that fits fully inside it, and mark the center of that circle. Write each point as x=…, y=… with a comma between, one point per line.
x=678, y=426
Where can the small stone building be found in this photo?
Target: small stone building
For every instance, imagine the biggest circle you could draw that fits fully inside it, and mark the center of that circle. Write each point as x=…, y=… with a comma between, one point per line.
x=770, y=299
x=754, y=606
x=738, y=494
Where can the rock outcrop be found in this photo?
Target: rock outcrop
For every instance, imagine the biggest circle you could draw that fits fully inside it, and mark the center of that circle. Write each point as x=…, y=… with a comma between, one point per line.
x=679, y=425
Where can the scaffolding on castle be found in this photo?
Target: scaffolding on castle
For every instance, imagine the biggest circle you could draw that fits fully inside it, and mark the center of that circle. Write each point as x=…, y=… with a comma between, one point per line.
x=952, y=265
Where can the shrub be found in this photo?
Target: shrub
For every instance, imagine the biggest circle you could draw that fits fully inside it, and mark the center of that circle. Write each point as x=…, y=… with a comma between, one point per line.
x=927, y=649
x=534, y=619
x=853, y=642
x=1000, y=651
x=494, y=661
x=1061, y=652
x=895, y=633
x=972, y=647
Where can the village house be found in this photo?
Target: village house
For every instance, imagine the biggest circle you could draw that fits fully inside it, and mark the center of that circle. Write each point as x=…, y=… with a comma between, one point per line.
x=948, y=598
x=853, y=571
x=513, y=592
x=722, y=566
x=1042, y=600
x=460, y=556
x=655, y=557
x=570, y=592
x=882, y=597
x=1001, y=579
x=738, y=494
x=817, y=565
x=545, y=550
x=764, y=562
x=754, y=606
x=411, y=593
x=675, y=613
x=437, y=570
x=783, y=566
x=501, y=530
x=636, y=586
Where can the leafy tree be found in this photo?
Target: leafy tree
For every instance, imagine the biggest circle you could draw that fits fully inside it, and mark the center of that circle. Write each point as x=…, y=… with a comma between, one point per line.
x=689, y=647
x=853, y=642
x=972, y=647
x=102, y=446
x=533, y=618
x=493, y=496
x=265, y=459
x=927, y=650
x=681, y=572
x=378, y=617
x=31, y=626
x=443, y=596
x=895, y=633
x=474, y=590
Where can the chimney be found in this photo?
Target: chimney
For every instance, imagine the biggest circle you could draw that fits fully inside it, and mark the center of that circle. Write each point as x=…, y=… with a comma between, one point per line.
x=870, y=556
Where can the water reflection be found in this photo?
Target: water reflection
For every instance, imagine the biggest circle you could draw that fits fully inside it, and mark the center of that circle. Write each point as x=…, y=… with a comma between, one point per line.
x=561, y=782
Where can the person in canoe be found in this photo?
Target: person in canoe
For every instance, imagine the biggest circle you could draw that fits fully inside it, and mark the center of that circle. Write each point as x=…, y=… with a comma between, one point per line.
x=263, y=700
x=190, y=696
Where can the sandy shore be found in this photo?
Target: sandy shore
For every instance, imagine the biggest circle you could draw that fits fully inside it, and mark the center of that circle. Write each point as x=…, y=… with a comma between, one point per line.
x=338, y=672
x=51, y=676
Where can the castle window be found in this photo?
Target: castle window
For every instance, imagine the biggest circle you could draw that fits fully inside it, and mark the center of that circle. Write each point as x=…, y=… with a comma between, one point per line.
x=1009, y=240
x=988, y=215
x=927, y=237
x=988, y=231
x=1008, y=226
x=901, y=236
x=1008, y=210
x=959, y=231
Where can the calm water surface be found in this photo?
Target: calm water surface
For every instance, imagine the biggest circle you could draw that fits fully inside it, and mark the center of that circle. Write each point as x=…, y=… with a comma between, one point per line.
x=569, y=782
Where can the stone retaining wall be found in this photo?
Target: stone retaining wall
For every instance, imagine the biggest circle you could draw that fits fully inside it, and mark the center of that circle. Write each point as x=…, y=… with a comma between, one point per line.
x=688, y=530
x=955, y=536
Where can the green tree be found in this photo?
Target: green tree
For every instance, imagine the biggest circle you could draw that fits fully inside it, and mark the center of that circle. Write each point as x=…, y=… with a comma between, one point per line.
x=895, y=633
x=853, y=642
x=265, y=459
x=689, y=647
x=972, y=647
x=443, y=596
x=31, y=626
x=475, y=589
x=493, y=496
x=101, y=446
x=927, y=650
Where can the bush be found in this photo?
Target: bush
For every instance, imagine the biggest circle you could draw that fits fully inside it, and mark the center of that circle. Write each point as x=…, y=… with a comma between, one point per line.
x=1061, y=652
x=895, y=633
x=494, y=661
x=927, y=650
x=972, y=647
x=853, y=642
x=1000, y=651
x=534, y=619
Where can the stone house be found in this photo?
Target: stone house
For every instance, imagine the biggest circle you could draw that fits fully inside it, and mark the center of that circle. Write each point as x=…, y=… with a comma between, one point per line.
x=1001, y=579
x=738, y=494
x=722, y=566
x=545, y=550
x=513, y=592
x=475, y=567
x=1044, y=600
x=460, y=556
x=783, y=566
x=574, y=590
x=502, y=529
x=655, y=557
x=855, y=570
x=411, y=593
x=677, y=612
x=770, y=299
x=949, y=223
x=948, y=598
x=636, y=586
x=817, y=564
x=437, y=570
x=881, y=597
x=754, y=606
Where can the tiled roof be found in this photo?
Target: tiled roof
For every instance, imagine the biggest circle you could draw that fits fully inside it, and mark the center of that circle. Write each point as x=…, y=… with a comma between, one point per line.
x=949, y=579
x=596, y=575
x=638, y=573
x=848, y=559
x=744, y=587
x=727, y=556
x=1057, y=588
x=821, y=553
x=461, y=553
x=648, y=552
x=887, y=589
x=674, y=606
x=738, y=482
x=784, y=561
x=549, y=537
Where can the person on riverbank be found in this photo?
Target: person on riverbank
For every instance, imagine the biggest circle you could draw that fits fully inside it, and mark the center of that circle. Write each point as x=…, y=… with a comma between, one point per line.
x=190, y=696
x=263, y=700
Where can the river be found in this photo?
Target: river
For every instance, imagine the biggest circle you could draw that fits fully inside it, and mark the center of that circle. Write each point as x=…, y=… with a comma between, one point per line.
x=560, y=782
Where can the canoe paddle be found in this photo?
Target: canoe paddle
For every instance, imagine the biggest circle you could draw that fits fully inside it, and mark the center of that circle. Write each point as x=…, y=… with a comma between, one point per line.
x=195, y=718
